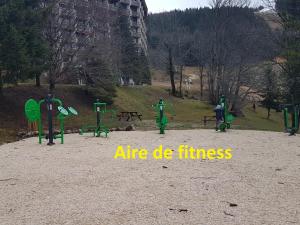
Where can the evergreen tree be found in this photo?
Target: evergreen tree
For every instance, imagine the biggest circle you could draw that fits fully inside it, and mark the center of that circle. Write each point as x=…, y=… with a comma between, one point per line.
x=14, y=58
x=12, y=44
x=288, y=8
x=22, y=50
x=37, y=48
x=289, y=11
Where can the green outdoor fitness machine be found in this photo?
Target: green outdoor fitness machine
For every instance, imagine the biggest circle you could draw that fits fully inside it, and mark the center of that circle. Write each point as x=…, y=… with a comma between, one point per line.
x=228, y=118
x=293, y=112
x=100, y=108
x=161, y=118
x=34, y=115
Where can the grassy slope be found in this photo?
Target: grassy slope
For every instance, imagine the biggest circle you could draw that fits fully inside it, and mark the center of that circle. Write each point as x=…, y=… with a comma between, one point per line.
x=142, y=99
x=189, y=113
x=258, y=120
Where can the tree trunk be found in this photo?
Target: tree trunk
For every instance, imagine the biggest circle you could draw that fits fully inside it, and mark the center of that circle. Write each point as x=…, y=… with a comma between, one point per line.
x=38, y=80
x=201, y=81
x=51, y=87
x=236, y=94
x=254, y=107
x=15, y=79
x=1, y=84
x=171, y=72
x=52, y=81
x=181, y=78
x=269, y=113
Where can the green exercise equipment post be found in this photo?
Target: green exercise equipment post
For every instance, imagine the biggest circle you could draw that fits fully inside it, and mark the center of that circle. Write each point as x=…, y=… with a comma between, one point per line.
x=228, y=117
x=161, y=118
x=33, y=114
x=291, y=118
x=100, y=108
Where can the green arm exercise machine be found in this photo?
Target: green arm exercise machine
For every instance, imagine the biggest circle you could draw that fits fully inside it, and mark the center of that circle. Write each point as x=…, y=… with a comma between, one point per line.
x=100, y=108
x=33, y=114
x=161, y=118
x=293, y=112
x=228, y=117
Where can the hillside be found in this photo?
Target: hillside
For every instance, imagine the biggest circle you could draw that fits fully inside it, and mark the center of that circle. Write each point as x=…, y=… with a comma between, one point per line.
x=189, y=113
x=272, y=19
x=190, y=34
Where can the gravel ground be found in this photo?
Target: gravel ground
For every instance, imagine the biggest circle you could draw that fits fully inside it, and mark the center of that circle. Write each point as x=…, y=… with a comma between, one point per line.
x=80, y=183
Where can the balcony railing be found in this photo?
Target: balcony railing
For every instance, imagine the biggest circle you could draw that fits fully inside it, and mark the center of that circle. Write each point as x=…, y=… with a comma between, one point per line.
x=134, y=24
x=136, y=3
x=136, y=34
x=134, y=14
x=125, y=2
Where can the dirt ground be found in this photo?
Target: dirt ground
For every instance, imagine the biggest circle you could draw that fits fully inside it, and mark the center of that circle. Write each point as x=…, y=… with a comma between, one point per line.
x=80, y=183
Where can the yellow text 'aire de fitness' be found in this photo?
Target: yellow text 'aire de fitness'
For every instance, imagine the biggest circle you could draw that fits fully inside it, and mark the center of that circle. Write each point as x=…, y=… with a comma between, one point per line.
x=184, y=152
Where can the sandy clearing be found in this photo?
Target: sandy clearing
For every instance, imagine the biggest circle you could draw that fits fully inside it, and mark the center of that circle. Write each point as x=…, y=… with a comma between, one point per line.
x=80, y=183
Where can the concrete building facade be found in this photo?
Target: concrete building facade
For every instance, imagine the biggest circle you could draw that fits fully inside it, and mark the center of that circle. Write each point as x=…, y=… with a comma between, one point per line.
x=76, y=27
x=137, y=12
x=84, y=20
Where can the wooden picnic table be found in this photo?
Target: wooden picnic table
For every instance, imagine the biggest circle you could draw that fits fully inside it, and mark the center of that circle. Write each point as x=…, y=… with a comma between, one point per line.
x=130, y=116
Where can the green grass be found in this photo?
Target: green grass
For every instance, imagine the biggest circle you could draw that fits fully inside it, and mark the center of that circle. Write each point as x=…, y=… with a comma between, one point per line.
x=189, y=113
x=142, y=99
x=258, y=120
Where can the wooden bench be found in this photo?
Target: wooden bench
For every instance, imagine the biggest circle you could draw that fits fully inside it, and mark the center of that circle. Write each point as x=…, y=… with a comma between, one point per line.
x=130, y=116
x=208, y=119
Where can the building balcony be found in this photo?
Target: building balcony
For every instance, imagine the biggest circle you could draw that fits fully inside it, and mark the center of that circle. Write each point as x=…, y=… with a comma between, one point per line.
x=127, y=2
x=135, y=24
x=136, y=34
x=113, y=1
x=136, y=3
x=125, y=12
x=134, y=14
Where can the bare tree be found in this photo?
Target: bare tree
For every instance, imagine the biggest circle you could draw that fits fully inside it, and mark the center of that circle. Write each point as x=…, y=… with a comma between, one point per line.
x=175, y=49
x=200, y=52
x=182, y=47
x=171, y=69
x=66, y=31
x=288, y=43
x=1, y=84
x=229, y=3
x=95, y=60
x=231, y=68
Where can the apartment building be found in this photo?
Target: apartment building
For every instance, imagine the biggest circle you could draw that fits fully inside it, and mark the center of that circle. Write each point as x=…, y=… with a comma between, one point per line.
x=85, y=20
x=137, y=12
